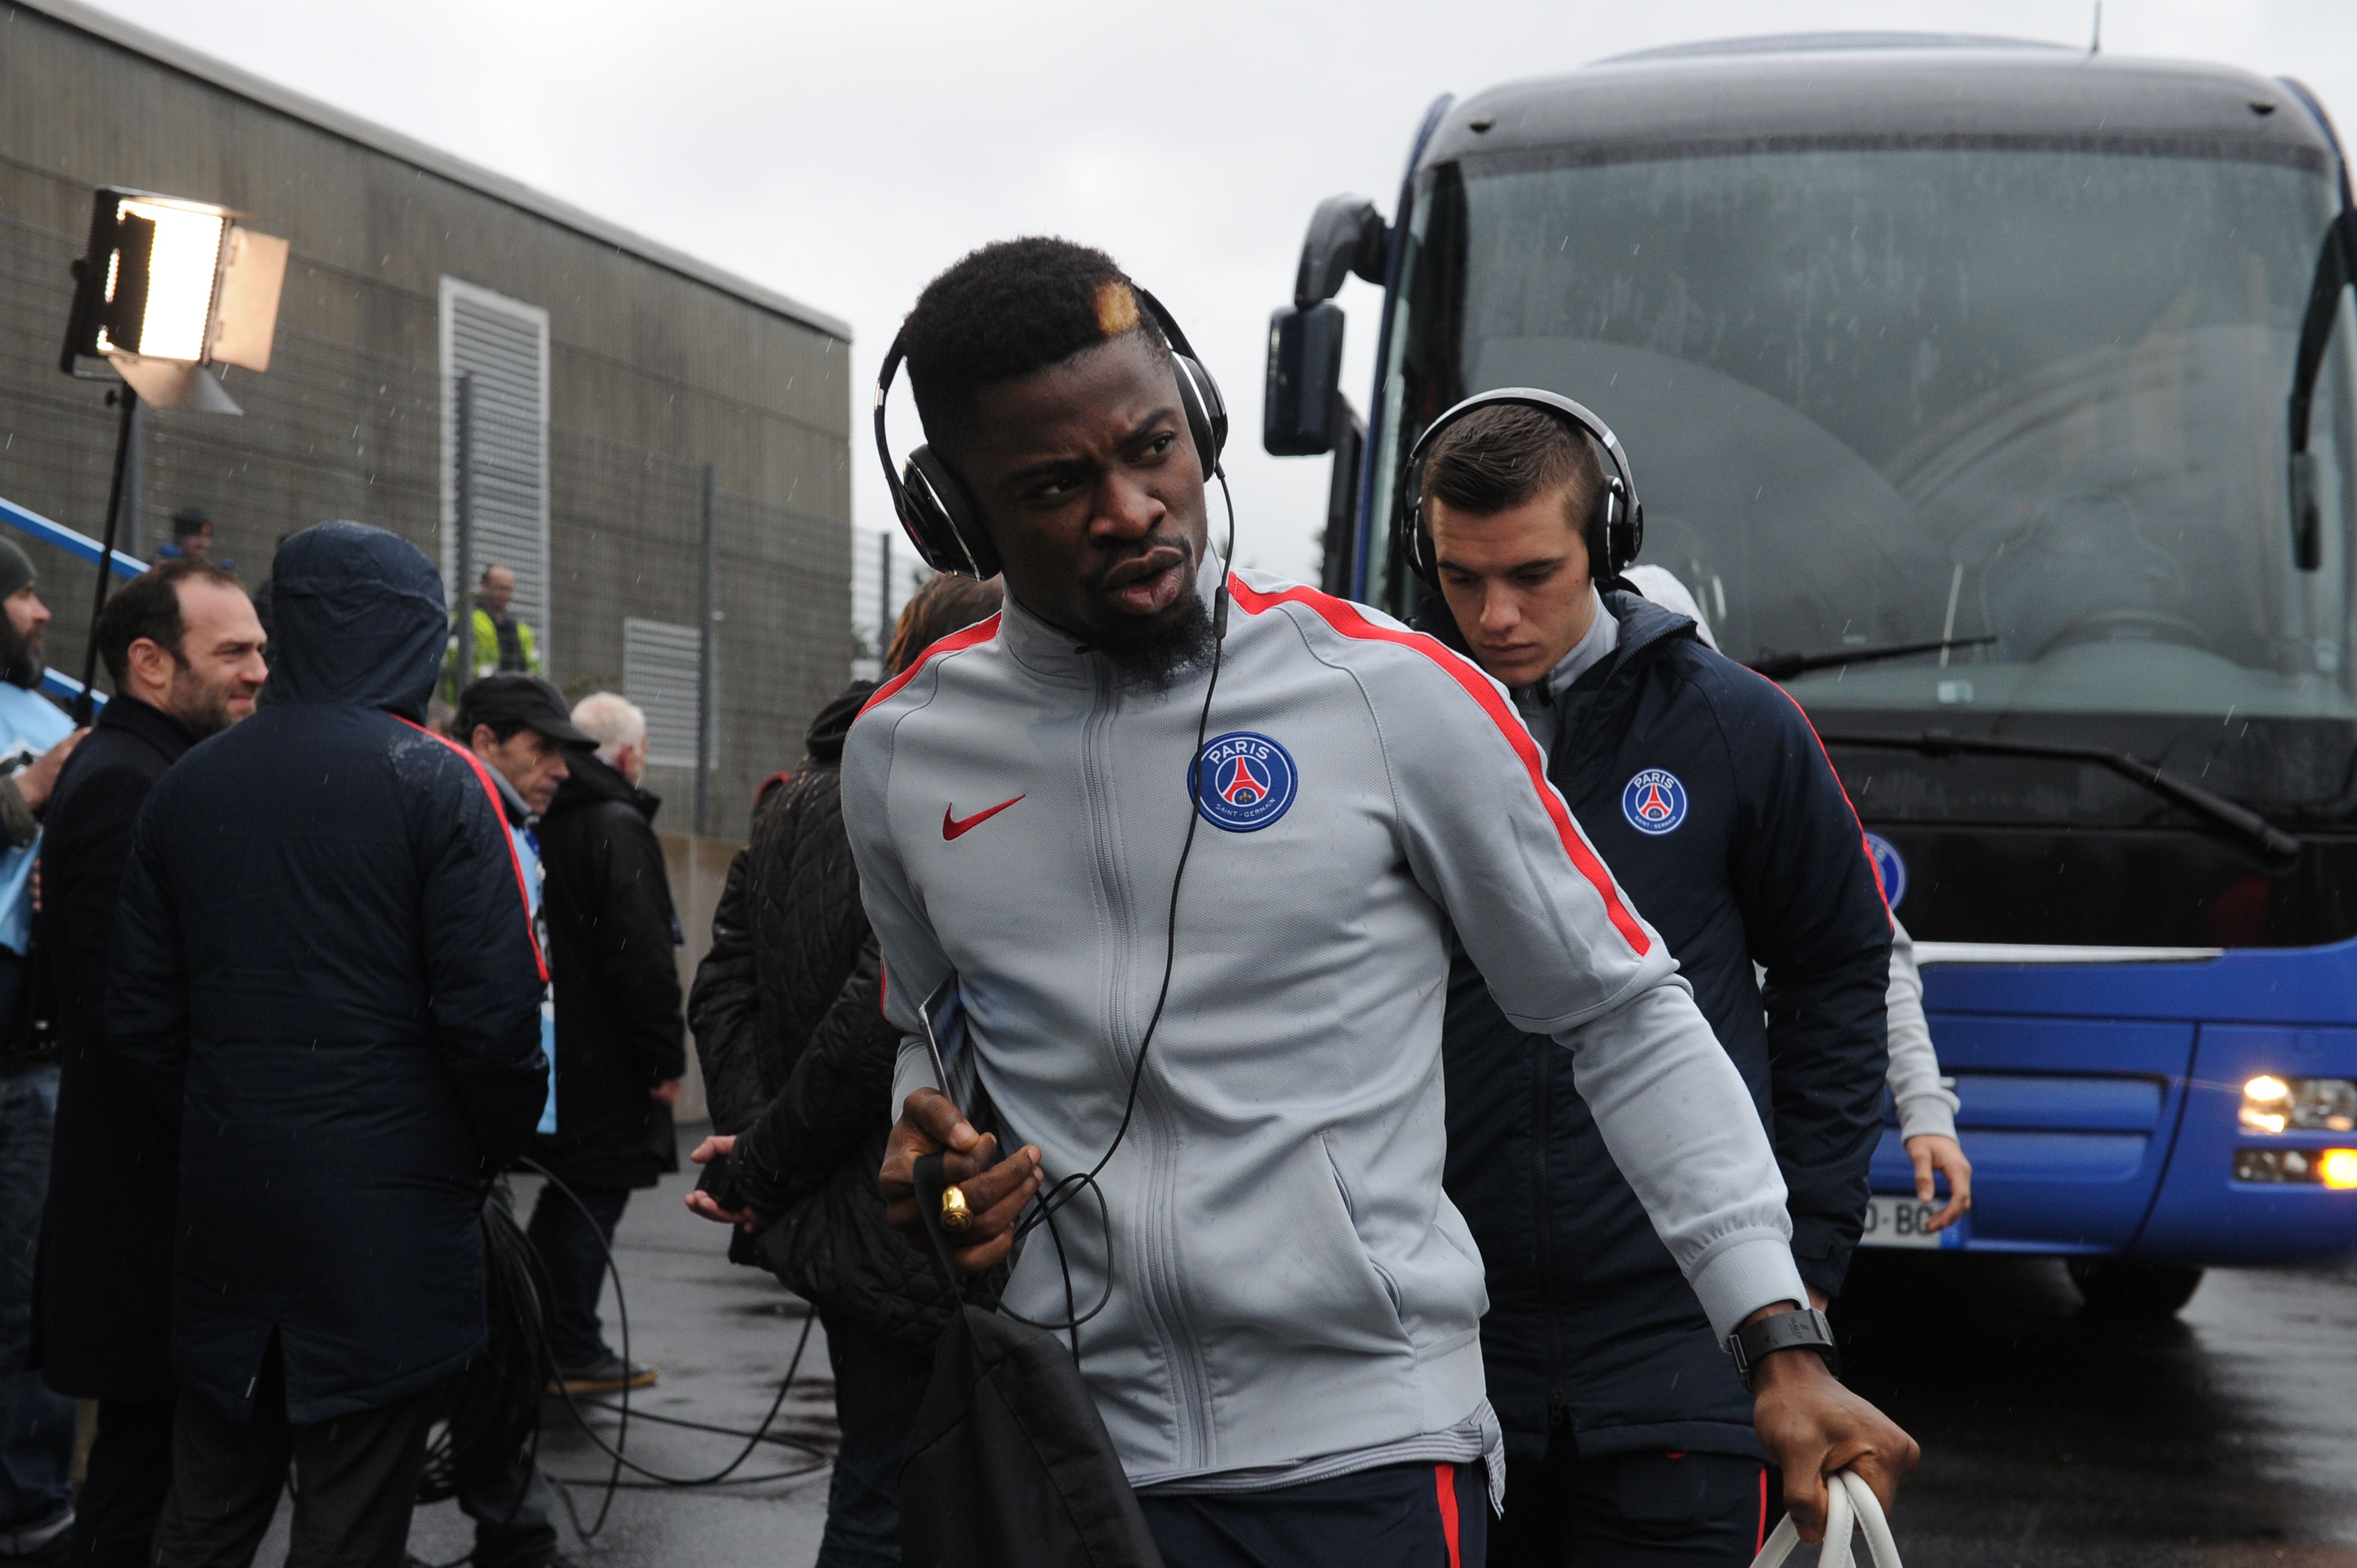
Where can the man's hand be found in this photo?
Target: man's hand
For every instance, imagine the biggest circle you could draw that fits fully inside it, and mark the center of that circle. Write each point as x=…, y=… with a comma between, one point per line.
x=1936, y=1152
x=667, y=1093
x=995, y=1190
x=704, y=1206
x=1811, y=1426
x=35, y=780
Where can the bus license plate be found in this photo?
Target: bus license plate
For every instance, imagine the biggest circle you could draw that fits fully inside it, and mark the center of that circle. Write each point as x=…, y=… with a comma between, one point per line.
x=1906, y=1222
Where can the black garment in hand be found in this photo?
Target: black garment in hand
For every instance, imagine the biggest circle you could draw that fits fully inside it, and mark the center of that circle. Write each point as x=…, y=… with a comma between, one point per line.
x=104, y=1281
x=612, y=953
x=323, y=966
x=798, y=1057
x=1588, y=1316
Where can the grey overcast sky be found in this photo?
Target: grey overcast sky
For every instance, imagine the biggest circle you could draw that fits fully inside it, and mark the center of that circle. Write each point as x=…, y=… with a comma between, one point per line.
x=845, y=153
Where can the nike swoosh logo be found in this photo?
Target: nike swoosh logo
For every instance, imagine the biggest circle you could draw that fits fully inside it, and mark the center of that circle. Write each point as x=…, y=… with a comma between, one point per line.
x=952, y=828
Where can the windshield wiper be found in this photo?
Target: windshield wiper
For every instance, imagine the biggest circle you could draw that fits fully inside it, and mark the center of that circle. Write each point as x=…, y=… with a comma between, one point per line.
x=1784, y=666
x=2276, y=846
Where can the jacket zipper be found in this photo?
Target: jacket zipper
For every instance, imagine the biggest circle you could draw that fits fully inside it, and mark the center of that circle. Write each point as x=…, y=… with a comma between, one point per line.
x=1158, y=1294
x=1543, y=1217
x=1541, y=1122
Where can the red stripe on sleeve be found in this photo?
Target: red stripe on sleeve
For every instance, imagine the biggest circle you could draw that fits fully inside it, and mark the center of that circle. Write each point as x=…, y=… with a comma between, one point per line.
x=500, y=810
x=1444, y=1478
x=1345, y=619
x=981, y=632
x=1872, y=864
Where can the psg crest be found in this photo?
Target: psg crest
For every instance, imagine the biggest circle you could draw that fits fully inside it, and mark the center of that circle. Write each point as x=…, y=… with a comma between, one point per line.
x=1889, y=867
x=1654, y=801
x=1245, y=782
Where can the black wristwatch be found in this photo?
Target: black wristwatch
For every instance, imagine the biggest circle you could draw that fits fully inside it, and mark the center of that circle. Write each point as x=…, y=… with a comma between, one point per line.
x=1806, y=1329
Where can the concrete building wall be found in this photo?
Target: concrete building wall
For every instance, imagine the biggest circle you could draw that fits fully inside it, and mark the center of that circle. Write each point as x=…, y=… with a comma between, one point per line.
x=653, y=372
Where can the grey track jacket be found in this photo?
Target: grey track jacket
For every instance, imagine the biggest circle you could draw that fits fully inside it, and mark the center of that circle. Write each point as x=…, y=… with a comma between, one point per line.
x=1287, y=1279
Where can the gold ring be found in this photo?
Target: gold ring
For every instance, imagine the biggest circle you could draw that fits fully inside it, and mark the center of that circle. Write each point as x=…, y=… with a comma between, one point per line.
x=955, y=1216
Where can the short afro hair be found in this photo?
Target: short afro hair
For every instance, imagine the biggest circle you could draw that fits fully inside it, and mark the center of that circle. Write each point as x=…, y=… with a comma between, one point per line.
x=1007, y=310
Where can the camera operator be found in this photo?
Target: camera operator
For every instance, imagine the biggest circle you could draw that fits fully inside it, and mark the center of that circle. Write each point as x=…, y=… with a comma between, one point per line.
x=324, y=970
x=183, y=648
x=1288, y=1357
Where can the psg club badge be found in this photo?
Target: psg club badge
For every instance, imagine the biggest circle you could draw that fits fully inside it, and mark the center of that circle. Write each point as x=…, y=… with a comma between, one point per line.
x=1654, y=801
x=1245, y=782
x=1889, y=867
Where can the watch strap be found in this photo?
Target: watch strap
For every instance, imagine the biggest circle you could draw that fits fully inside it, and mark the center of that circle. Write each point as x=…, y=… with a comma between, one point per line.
x=1804, y=1329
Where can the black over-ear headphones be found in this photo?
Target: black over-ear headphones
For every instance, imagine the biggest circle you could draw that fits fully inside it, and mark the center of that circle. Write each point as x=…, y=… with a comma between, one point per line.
x=1615, y=531
x=938, y=513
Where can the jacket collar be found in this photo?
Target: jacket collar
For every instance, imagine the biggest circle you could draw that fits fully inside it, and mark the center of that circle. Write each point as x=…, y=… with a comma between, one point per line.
x=1054, y=654
x=159, y=729
x=590, y=779
x=1647, y=631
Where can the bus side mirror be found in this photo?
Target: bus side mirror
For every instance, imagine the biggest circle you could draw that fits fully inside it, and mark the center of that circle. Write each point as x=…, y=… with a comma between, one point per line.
x=1299, y=403
x=1347, y=236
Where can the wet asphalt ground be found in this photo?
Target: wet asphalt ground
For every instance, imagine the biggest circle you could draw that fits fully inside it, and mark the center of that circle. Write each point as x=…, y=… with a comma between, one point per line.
x=2055, y=1438
x=2052, y=1438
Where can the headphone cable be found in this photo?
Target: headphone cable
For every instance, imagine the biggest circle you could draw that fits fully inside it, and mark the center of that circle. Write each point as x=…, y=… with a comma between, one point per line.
x=1065, y=1188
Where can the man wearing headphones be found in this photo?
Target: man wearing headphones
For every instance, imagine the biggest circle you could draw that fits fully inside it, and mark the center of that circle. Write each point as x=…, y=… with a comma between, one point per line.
x=1630, y=1439
x=1189, y=844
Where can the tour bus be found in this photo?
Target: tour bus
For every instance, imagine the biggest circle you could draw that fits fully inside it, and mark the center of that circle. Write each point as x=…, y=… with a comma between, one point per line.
x=1997, y=399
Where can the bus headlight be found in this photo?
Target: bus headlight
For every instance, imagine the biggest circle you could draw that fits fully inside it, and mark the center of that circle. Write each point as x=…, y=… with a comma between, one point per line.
x=2335, y=1169
x=2272, y=1104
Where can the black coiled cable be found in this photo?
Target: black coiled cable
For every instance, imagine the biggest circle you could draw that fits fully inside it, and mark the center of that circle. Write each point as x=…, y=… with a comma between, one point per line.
x=492, y=1408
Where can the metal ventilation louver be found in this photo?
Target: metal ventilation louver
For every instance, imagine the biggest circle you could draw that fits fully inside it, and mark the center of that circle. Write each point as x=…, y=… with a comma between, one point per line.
x=501, y=346
x=660, y=665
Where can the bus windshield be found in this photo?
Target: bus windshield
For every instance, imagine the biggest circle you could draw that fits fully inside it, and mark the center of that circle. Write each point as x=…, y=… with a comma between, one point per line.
x=2028, y=396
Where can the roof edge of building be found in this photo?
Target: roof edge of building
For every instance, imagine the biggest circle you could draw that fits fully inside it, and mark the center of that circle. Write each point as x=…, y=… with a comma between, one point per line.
x=179, y=57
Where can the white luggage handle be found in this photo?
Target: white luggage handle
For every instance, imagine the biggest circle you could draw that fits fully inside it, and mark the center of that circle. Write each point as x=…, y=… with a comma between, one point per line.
x=1850, y=1504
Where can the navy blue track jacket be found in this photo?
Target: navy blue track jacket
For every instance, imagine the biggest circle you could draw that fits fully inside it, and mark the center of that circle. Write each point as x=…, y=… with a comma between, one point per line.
x=324, y=970
x=1746, y=850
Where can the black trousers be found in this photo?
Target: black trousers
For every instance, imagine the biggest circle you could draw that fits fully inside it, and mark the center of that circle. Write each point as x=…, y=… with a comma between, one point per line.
x=878, y=1384
x=1634, y=1510
x=122, y=1491
x=573, y=1247
x=355, y=1479
x=1401, y=1516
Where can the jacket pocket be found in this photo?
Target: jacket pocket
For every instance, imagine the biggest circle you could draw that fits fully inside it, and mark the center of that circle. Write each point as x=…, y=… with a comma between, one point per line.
x=1350, y=1208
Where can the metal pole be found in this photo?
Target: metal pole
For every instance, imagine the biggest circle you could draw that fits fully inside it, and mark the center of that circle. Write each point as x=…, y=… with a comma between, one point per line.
x=462, y=514
x=135, y=481
x=707, y=720
x=85, y=703
x=883, y=600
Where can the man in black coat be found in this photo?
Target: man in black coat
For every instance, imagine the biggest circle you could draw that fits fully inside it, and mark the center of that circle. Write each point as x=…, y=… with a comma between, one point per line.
x=183, y=646
x=1629, y=1438
x=324, y=970
x=620, y=1050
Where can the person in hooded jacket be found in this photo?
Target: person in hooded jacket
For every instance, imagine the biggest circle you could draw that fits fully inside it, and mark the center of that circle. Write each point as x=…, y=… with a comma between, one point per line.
x=1629, y=1436
x=323, y=969
x=798, y=1061
x=612, y=937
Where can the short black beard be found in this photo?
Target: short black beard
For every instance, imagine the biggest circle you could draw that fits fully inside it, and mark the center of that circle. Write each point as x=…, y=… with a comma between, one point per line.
x=202, y=710
x=1154, y=655
x=22, y=656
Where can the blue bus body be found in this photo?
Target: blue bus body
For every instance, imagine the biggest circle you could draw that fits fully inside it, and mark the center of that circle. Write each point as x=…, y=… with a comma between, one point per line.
x=2103, y=977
